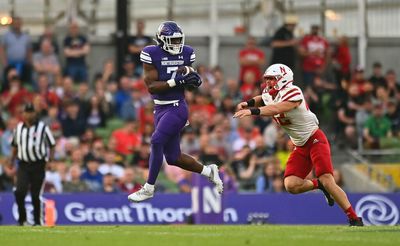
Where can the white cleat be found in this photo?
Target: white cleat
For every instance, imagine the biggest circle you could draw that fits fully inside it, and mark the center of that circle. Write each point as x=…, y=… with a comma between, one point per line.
x=141, y=195
x=215, y=179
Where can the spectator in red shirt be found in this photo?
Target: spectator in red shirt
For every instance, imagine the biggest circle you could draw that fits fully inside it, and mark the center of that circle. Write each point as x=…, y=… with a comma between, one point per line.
x=128, y=183
x=127, y=139
x=146, y=118
x=203, y=106
x=342, y=60
x=247, y=135
x=252, y=59
x=15, y=96
x=314, y=51
x=248, y=85
x=47, y=95
x=52, y=121
x=358, y=79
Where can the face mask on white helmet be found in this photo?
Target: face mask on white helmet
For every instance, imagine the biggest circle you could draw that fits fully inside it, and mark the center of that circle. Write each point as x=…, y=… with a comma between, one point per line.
x=277, y=76
x=170, y=37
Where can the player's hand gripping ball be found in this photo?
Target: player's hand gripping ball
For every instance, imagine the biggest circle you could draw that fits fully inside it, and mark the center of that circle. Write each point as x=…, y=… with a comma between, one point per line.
x=191, y=77
x=185, y=70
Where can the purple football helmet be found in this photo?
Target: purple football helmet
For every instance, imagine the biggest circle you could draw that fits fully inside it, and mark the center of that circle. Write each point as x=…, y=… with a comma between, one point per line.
x=170, y=37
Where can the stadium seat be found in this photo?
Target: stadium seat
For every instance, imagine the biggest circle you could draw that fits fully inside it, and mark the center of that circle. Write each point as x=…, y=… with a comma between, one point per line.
x=114, y=124
x=103, y=133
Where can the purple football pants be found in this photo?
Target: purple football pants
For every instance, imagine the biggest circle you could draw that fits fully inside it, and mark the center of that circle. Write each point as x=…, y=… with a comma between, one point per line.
x=169, y=121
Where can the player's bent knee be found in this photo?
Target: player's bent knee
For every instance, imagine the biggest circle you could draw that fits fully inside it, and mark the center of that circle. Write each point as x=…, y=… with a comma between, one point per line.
x=291, y=186
x=158, y=138
x=171, y=160
x=292, y=189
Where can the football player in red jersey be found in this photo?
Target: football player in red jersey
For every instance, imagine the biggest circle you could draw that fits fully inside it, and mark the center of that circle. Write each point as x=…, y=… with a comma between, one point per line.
x=286, y=104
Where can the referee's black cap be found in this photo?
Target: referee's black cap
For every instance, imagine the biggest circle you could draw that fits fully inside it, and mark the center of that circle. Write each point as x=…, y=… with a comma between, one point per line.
x=29, y=108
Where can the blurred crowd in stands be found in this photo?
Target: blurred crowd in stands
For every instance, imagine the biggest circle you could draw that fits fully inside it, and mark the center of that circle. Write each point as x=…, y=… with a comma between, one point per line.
x=103, y=124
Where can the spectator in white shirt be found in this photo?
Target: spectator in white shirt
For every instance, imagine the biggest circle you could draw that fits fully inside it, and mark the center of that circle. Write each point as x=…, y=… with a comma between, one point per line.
x=110, y=167
x=53, y=177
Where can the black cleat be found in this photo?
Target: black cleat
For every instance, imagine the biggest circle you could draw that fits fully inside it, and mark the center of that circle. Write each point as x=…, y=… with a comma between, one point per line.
x=328, y=197
x=356, y=222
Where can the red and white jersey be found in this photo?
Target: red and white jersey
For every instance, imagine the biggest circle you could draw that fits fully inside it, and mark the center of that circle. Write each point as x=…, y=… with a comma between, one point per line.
x=299, y=123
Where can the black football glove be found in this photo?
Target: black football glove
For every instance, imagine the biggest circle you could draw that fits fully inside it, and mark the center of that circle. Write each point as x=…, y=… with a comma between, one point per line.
x=180, y=79
x=193, y=80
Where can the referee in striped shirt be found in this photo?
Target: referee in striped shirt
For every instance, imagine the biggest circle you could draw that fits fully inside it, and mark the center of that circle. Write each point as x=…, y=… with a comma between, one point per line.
x=31, y=142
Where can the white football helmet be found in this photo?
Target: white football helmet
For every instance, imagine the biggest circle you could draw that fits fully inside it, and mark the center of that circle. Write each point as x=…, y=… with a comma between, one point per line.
x=170, y=37
x=277, y=76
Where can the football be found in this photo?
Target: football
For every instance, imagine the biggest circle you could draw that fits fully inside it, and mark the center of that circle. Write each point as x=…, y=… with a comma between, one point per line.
x=185, y=70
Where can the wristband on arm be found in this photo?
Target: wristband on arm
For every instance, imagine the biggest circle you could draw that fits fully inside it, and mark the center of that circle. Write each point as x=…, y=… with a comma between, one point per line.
x=255, y=111
x=171, y=83
x=251, y=103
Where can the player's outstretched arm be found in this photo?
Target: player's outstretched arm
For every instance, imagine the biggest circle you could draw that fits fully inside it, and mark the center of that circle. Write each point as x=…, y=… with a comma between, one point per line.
x=254, y=102
x=269, y=110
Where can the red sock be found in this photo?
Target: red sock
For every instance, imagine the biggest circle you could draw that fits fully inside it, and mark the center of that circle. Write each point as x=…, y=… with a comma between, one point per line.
x=350, y=213
x=315, y=183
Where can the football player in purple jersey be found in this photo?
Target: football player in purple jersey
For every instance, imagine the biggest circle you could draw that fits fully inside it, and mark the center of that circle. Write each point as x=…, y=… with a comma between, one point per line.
x=166, y=82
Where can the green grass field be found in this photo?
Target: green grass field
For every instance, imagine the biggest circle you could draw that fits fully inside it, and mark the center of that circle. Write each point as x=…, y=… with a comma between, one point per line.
x=199, y=235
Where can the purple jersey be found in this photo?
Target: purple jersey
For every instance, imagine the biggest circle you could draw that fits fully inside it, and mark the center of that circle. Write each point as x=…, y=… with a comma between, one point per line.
x=166, y=65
